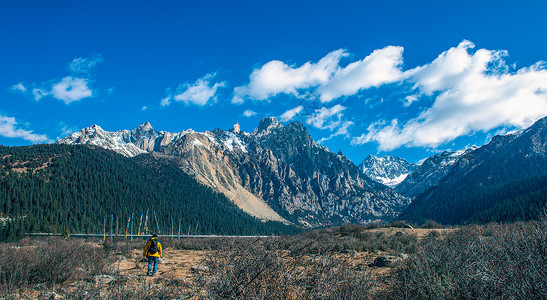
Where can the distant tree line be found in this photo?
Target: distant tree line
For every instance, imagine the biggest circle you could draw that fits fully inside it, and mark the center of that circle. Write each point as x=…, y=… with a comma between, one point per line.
x=468, y=203
x=60, y=188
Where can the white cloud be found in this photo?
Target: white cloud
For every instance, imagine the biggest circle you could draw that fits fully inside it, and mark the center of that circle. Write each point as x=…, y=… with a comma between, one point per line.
x=342, y=130
x=65, y=129
x=476, y=92
x=166, y=101
x=471, y=91
x=409, y=100
x=237, y=99
x=448, y=69
x=327, y=118
x=249, y=113
x=199, y=93
x=39, y=93
x=9, y=128
x=19, y=87
x=290, y=114
x=325, y=79
x=277, y=77
x=110, y=91
x=84, y=65
x=71, y=89
x=380, y=67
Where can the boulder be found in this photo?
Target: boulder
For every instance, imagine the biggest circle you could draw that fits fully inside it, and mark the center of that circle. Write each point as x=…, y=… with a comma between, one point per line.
x=198, y=269
x=51, y=295
x=103, y=279
x=386, y=261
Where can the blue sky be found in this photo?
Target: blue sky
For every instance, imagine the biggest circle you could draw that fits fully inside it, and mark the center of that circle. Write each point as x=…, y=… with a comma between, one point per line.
x=404, y=78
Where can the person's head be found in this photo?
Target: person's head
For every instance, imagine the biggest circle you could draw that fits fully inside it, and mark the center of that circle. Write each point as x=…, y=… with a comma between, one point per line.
x=155, y=236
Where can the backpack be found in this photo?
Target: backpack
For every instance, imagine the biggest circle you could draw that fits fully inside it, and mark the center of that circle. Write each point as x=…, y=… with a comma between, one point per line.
x=153, y=247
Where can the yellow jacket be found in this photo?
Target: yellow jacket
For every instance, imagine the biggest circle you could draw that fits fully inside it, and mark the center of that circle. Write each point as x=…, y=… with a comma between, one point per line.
x=157, y=254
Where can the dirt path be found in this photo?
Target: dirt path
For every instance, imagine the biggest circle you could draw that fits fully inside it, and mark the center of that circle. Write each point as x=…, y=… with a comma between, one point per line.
x=176, y=264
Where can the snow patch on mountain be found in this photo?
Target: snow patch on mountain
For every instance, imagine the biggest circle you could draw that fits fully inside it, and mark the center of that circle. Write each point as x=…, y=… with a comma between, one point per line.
x=231, y=140
x=198, y=143
x=116, y=141
x=387, y=170
x=430, y=172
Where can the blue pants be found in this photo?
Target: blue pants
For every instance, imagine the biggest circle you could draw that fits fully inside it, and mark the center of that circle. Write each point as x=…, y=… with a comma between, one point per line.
x=153, y=264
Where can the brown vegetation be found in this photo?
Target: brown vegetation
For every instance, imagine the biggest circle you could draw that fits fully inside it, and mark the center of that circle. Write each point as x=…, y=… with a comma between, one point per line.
x=473, y=262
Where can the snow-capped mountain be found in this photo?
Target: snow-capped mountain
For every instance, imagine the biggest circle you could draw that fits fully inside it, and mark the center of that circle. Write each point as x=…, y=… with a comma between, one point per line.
x=430, y=172
x=387, y=170
x=142, y=139
x=275, y=173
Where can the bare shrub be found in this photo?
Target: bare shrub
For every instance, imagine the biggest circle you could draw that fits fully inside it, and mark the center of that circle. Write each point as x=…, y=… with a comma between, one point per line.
x=163, y=288
x=431, y=224
x=477, y=262
x=398, y=224
x=265, y=269
x=50, y=261
x=353, y=238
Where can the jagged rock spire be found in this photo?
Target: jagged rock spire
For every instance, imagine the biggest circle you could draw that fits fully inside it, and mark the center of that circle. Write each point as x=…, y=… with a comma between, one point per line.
x=266, y=125
x=146, y=126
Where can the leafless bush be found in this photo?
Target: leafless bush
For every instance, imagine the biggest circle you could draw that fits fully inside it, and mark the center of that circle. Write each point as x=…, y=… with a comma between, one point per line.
x=430, y=224
x=265, y=269
x=478, y=262
x=50, y=261
x=398, y=224
x=163, y=288
x=356, y=238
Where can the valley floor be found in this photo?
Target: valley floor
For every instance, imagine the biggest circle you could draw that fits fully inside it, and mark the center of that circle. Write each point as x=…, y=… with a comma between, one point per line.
x=346, y=262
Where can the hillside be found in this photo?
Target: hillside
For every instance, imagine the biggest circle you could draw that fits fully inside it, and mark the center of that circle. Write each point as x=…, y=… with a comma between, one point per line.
x=502, y=181
x=53, y=188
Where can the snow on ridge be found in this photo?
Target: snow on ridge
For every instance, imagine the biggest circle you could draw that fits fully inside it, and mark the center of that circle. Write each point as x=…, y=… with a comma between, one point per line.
x=125, y=141
x=232, y=139
x=197, y=142
x=210, y=136
x=395, y=181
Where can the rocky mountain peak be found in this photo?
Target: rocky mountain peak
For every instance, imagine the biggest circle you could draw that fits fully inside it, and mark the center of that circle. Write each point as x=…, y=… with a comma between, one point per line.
x=297, y=128
x=93, y=128
x=430, y=172
x=387, y=170
x=266, y=125
x=236, y=128
x=146, y=126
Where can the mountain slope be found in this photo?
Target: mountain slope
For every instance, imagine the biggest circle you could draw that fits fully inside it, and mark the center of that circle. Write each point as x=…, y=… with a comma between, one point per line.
x=482, y=183
x=311, y=184
x=275, y=173
x=387, y=170
x=429, y=173
x=50, y=188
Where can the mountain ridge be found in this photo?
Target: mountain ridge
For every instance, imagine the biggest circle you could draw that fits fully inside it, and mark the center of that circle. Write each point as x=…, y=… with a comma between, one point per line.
x=279, y=168
x=484, y=183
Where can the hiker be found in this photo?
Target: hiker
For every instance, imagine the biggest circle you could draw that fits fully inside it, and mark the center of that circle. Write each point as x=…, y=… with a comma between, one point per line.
x=153, y=252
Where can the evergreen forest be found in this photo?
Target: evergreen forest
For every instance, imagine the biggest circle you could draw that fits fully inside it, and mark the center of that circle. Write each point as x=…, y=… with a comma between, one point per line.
x=83, y=189
x=465, y=203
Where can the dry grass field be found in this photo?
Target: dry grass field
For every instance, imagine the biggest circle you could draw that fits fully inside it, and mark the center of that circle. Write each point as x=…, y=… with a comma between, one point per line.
x=473, y=262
